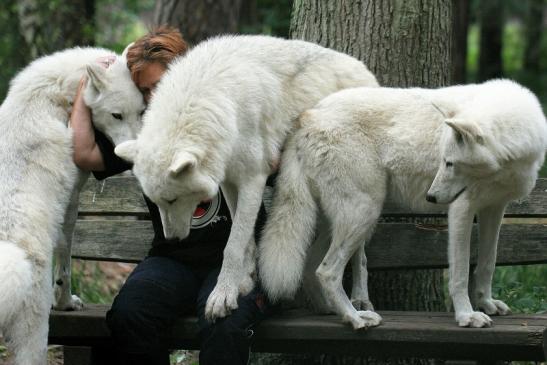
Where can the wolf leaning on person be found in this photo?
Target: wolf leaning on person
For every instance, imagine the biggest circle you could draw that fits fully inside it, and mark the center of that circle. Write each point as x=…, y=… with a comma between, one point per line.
x=219, y=117
x=39, y=183
x=470, y=149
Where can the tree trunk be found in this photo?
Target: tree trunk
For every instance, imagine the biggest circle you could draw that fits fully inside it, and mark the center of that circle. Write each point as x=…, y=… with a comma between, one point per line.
x=404, y=43
x=534, y=27
x=491, y=23
x=460, y=24
x=73, y=25
x=199, y=19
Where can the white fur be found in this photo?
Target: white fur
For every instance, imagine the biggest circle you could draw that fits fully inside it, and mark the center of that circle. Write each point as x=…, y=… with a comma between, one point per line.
x=38, y=179
x=359, y=146
x=219, y=116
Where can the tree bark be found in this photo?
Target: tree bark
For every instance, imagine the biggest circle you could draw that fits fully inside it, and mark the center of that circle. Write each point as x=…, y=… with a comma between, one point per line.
x=491, y=23
x=404, y=43
x=199, y=19
x=460, y=24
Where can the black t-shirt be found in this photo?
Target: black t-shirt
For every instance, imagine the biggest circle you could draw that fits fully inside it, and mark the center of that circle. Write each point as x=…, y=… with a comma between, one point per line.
x=210, y=226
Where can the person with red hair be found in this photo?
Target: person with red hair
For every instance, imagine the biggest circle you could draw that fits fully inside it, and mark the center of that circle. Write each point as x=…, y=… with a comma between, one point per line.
x=176, y=277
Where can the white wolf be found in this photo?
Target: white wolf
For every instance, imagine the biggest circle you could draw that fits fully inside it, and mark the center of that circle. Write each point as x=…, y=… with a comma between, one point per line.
x=360, y=145
x=38, y=178
x=219, y=116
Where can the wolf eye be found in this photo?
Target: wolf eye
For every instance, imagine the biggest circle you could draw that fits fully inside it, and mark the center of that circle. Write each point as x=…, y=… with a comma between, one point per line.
x=117, y=116
x=141, y=113
x=171, y=201
x=449, y=164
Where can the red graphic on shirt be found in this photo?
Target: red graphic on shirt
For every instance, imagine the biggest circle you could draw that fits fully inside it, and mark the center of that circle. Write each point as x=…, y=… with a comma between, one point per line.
x=206, y=212
x=202, y=209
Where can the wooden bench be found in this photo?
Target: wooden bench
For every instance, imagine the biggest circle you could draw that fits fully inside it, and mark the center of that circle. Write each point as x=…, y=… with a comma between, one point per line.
x=114, y=226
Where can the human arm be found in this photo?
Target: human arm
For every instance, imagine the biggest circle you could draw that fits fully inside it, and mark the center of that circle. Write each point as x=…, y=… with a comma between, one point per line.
x=87, y=155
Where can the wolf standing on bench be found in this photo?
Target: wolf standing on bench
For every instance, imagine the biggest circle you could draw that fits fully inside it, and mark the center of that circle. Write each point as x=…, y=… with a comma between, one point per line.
x=38, y=177
x=219, y=117
x=358, y=146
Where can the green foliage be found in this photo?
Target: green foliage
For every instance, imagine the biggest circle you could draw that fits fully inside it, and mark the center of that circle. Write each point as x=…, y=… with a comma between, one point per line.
x=270, y=17
x=184, y=357
x=13, y=51
x=88, y=283
x=125, y=14
x=522, y=288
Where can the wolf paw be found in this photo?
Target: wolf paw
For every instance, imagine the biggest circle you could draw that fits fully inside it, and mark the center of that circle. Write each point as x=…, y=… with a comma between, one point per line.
x=221, y=302
x=361, y=304
x=72, y=304
x=473, y=319
x=363, y=319
x=494, y=307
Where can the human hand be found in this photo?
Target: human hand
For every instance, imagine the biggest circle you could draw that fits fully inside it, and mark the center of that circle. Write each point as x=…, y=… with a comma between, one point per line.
x=81, y=114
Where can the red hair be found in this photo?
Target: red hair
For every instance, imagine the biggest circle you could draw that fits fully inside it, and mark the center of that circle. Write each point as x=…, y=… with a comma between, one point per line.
x=162, y=44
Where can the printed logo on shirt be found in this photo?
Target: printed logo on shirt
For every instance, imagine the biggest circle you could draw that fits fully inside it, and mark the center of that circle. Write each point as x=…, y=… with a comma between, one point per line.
x=206, y=213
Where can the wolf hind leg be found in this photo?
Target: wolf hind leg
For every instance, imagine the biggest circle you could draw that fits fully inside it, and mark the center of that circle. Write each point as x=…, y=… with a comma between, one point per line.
x=28, y=332
x=63, y=298
x=489, y=226
x=315, y=297
x=352, y=219
x=359, y=289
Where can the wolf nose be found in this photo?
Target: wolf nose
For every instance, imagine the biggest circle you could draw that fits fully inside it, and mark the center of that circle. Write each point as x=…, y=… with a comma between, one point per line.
x=431, y=198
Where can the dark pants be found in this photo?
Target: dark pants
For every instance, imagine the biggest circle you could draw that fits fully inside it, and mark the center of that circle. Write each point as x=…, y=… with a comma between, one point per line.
x=160, y=290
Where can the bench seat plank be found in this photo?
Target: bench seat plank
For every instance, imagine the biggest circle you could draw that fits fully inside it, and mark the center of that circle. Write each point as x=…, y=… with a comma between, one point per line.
x=516, y=337
x=394, y=245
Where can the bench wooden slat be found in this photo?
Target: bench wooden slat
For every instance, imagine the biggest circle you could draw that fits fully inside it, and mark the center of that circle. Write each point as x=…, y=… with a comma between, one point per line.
x=394, y=245
x=122, y=195
x=401, y=334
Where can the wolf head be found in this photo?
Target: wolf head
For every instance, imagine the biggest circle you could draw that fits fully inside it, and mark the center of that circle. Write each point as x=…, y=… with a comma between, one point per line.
x=466, y=160
x=116, y=103
x=172, y=180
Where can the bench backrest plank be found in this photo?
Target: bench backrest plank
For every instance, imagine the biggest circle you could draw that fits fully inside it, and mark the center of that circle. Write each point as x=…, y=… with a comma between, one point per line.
x=123, y=196
x=127, y=234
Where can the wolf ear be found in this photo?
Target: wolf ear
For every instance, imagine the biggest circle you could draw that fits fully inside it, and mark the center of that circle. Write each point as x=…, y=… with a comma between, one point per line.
x=124, y=53
x=466, y=131
x=127, y=150
x=183, y=161
x=209, y=186
x=97, y=77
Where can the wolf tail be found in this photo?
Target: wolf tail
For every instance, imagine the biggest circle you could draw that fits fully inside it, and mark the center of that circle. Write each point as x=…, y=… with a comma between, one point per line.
x=15, y=279
x=288, y=231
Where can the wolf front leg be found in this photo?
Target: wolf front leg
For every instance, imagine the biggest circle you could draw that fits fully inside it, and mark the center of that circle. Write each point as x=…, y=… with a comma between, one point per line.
x=489, y=228
x=460, y=221
x=237, y=275
x=63, y=298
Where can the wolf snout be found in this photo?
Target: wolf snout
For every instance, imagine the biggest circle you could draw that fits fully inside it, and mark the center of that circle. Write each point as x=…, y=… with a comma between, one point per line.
x=431, y=198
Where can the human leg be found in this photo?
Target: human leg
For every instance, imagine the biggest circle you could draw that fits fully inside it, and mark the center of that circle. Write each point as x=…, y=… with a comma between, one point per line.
x=227, y=340
x=157, y=292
